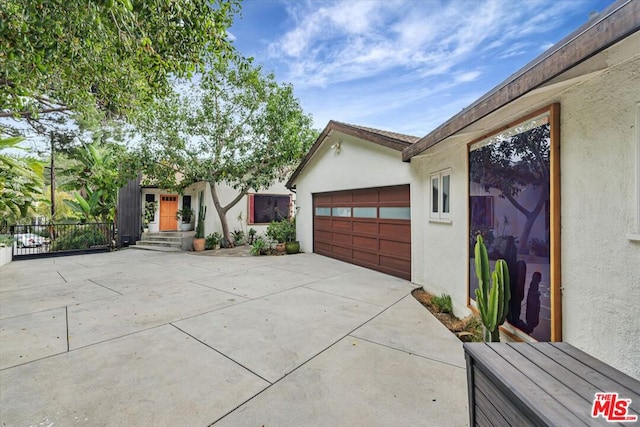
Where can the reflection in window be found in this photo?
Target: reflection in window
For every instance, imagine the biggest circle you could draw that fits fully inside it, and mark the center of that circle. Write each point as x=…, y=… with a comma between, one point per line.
x=265, y=208
x=365, y=212
x=341, y=212
x=509, y=186
x=395, y=213
x=445, y=193
x=435, y=180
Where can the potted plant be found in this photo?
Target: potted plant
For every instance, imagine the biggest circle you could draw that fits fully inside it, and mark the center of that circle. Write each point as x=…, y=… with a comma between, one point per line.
x=199, y=240
x=186, y=215
x=291, y=246
x=149, y=214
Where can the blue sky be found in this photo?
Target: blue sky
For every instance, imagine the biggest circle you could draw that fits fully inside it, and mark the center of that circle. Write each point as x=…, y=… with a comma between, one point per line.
x=405, y=65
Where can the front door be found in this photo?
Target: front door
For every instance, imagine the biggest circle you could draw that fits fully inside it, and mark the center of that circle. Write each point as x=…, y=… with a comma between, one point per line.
x=168, y=210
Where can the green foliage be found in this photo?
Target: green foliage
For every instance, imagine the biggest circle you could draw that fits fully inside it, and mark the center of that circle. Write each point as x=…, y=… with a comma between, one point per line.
x=442, y=303
x=149, y=213
x=236, y=126
x=202, y=213
x=185, y=213
x=212, y=240
x=80, y=238
x=21, y=182
x=6, y=240
x=107, y=56
x=238, y=236
x=492, y=298
x=282, y=231
x=252, y=235
x=259, y=247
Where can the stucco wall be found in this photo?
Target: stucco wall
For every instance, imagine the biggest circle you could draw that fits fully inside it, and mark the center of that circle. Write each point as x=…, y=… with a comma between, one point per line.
x=600, y=266
x=358, y=164
x=440, y=263
x=226, y=194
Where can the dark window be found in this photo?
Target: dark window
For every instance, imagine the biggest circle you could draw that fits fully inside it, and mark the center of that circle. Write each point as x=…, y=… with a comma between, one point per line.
x=150, y=198
x=265, y=208
x=186, y=201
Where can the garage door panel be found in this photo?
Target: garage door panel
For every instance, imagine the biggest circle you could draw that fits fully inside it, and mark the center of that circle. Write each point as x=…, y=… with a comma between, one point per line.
x=341, y=224
x=341, y=238
x=395, y=263
x=365, y=227
x=400, y=249
x=368, y=257
x=365, y=196
x=365, y=242
x=399, y=231
x=342, y=251
x=361, y=236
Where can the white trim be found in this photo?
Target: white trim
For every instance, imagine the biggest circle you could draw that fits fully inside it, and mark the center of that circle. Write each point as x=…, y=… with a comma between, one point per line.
x=438, y=215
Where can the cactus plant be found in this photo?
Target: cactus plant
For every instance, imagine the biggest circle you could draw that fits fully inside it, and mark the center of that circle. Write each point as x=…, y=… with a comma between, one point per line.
x=200, y=227
x=493, y=293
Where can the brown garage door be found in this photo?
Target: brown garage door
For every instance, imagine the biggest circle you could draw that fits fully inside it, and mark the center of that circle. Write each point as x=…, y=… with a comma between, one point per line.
x=370, y=227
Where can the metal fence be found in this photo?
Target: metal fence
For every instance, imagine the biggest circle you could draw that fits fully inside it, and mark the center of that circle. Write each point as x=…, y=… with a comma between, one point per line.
x=33, y=241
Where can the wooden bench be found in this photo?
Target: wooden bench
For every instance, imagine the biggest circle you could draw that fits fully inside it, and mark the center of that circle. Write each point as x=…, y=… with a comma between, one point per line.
x=541, y=384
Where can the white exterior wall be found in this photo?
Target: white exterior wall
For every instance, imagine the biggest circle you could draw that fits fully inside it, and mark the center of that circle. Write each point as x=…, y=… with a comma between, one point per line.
x=600, y=235
x=600, y=265
x=227, y=194
x=359, y=164
x=440, y=263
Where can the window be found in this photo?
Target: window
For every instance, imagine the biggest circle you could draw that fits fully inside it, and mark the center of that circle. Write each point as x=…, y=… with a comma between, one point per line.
x=513, y=204
x=341, y=212
x=440, y=195
x=365, y=212
x=395, y=213
x=323, y=211
x=264, y=208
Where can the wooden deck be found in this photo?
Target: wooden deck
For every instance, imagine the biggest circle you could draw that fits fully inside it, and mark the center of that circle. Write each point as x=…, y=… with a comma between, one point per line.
x=542, y=384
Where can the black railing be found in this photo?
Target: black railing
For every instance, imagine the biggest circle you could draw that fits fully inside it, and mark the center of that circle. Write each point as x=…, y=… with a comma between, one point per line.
x=61, y=239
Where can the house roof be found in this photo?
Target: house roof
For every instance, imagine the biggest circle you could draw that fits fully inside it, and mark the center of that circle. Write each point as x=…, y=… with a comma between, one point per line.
x=393, y=140
x=614, y=24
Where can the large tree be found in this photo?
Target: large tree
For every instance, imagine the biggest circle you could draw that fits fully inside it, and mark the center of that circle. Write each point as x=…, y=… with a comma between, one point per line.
x=97, y=57
x=235, y=125
x=21, y=183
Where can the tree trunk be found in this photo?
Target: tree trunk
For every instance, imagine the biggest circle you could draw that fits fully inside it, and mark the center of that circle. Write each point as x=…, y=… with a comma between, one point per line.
x=222, y=210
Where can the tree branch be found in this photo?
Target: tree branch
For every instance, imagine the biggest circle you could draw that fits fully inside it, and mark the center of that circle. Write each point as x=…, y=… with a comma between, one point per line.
x=29, y=114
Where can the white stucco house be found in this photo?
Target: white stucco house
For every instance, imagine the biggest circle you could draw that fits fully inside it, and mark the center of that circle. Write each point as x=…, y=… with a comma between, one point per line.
x=353, y=198
x=254, y=210
x=546, y=166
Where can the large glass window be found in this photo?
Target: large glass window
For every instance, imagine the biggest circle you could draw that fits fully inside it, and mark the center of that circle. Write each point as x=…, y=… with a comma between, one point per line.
x=264, y=208
x=510, y=185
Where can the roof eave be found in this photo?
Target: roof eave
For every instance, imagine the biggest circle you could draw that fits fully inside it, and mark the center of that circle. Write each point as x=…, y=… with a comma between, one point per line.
x=344, y=128
x=619, y=21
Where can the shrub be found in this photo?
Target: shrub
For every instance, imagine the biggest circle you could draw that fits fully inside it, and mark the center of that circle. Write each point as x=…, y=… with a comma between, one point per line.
x=80, y=238
x=259, y=246
x=238, y=236
x=282, y=231
x=212, y=240
x=442, y=303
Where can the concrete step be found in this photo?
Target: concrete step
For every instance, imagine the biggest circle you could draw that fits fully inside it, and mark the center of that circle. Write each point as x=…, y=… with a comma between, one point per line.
x=159, y=243
x=156, y=238
x=155, y=248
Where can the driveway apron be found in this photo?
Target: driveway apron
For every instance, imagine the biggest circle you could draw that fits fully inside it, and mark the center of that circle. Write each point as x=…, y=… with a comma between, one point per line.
x=173, y=338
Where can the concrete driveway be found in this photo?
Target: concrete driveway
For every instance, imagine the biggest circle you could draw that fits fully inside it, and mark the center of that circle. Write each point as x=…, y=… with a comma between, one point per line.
x=151, y=338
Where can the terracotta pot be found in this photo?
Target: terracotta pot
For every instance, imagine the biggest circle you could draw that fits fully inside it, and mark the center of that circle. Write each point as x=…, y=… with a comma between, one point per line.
x=198, y=245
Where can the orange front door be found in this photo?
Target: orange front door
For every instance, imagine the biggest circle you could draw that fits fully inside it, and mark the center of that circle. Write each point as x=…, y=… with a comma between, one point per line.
x=168, y=210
